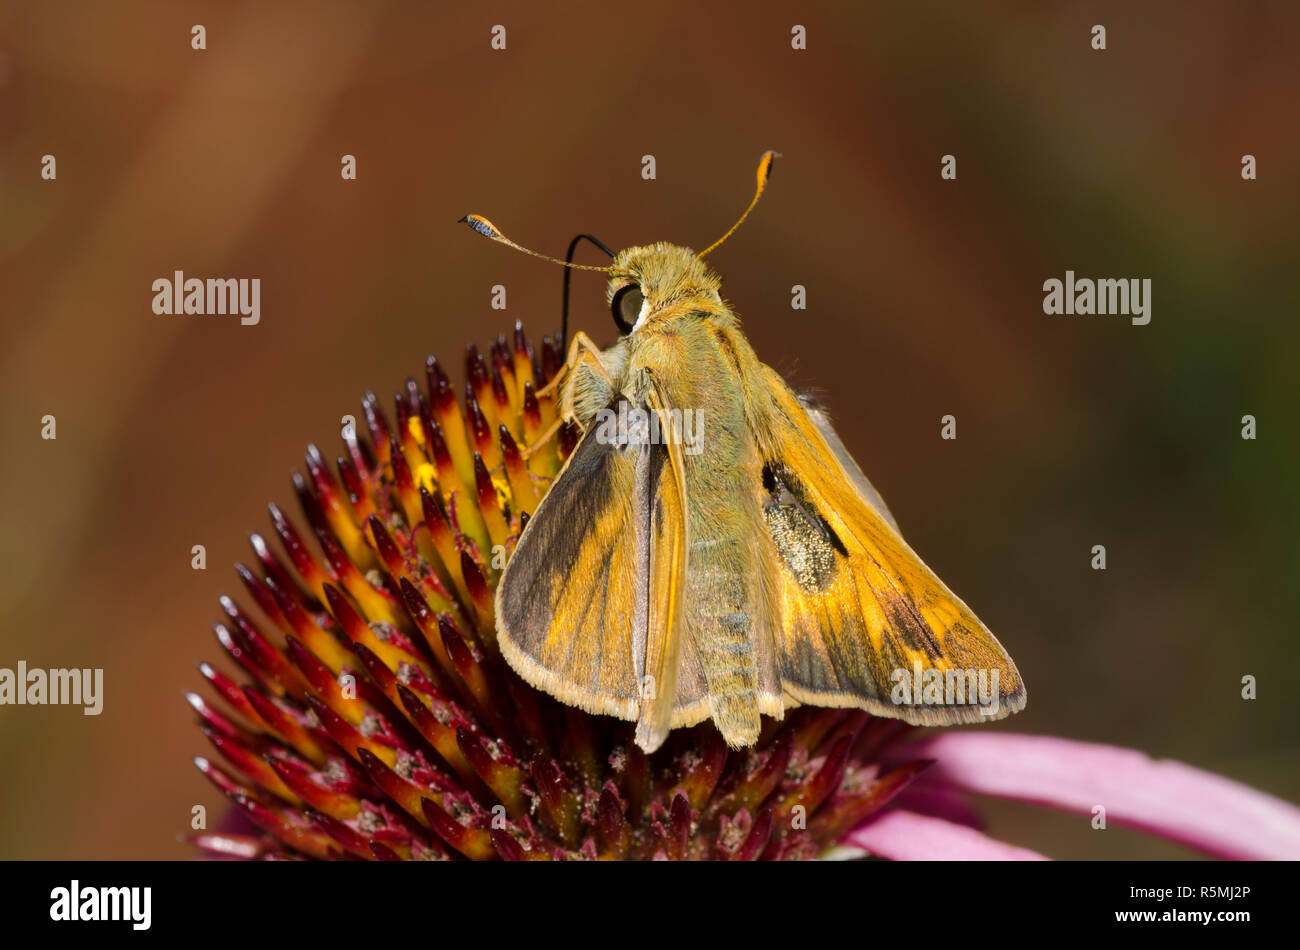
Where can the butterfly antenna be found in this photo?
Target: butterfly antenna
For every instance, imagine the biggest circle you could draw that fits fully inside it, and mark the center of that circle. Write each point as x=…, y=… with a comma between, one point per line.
x=489, y=230
x=568, y=273
x=764, y=173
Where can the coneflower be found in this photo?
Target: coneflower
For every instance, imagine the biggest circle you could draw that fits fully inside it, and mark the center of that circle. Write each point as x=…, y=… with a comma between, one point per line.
x=380, y=722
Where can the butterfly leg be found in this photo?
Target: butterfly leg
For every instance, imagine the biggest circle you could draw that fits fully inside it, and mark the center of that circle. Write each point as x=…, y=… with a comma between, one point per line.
x=582, y=353
x=581, y=343
x=545, y=437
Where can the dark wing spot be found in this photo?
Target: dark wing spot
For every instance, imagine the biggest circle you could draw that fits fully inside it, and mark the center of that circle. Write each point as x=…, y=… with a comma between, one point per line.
x=806, y=543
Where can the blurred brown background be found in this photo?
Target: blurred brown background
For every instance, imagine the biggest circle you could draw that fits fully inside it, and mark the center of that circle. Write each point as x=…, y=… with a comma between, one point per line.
x=924, y=299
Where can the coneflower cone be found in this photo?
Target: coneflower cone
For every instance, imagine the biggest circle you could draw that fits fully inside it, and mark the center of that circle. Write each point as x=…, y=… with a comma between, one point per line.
x=380, y=722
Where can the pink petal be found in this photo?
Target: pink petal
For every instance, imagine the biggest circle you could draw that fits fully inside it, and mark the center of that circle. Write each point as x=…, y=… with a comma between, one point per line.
x=1205, y=811
x=906, y=836
x=939, y=800
x=234, y=847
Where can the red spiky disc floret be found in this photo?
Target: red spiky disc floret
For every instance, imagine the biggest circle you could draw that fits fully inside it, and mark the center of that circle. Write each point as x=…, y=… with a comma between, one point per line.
x=380, y=722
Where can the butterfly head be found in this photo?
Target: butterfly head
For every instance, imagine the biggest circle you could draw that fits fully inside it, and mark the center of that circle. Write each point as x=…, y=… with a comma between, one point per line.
x=643, y=281
x=647, y=280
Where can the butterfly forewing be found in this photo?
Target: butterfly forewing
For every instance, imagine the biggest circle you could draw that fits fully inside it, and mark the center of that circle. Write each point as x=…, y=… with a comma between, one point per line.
x=589, y=606
x=862, y=617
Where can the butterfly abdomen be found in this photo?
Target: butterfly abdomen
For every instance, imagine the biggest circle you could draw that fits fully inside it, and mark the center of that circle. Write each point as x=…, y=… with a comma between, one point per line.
x=721, y=626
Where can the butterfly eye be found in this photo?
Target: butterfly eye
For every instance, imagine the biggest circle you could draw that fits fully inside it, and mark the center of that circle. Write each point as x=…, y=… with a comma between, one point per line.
x=626, y=306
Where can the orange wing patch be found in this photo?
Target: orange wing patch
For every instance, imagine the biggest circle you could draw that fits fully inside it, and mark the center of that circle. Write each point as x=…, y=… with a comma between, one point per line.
x=864, y=622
